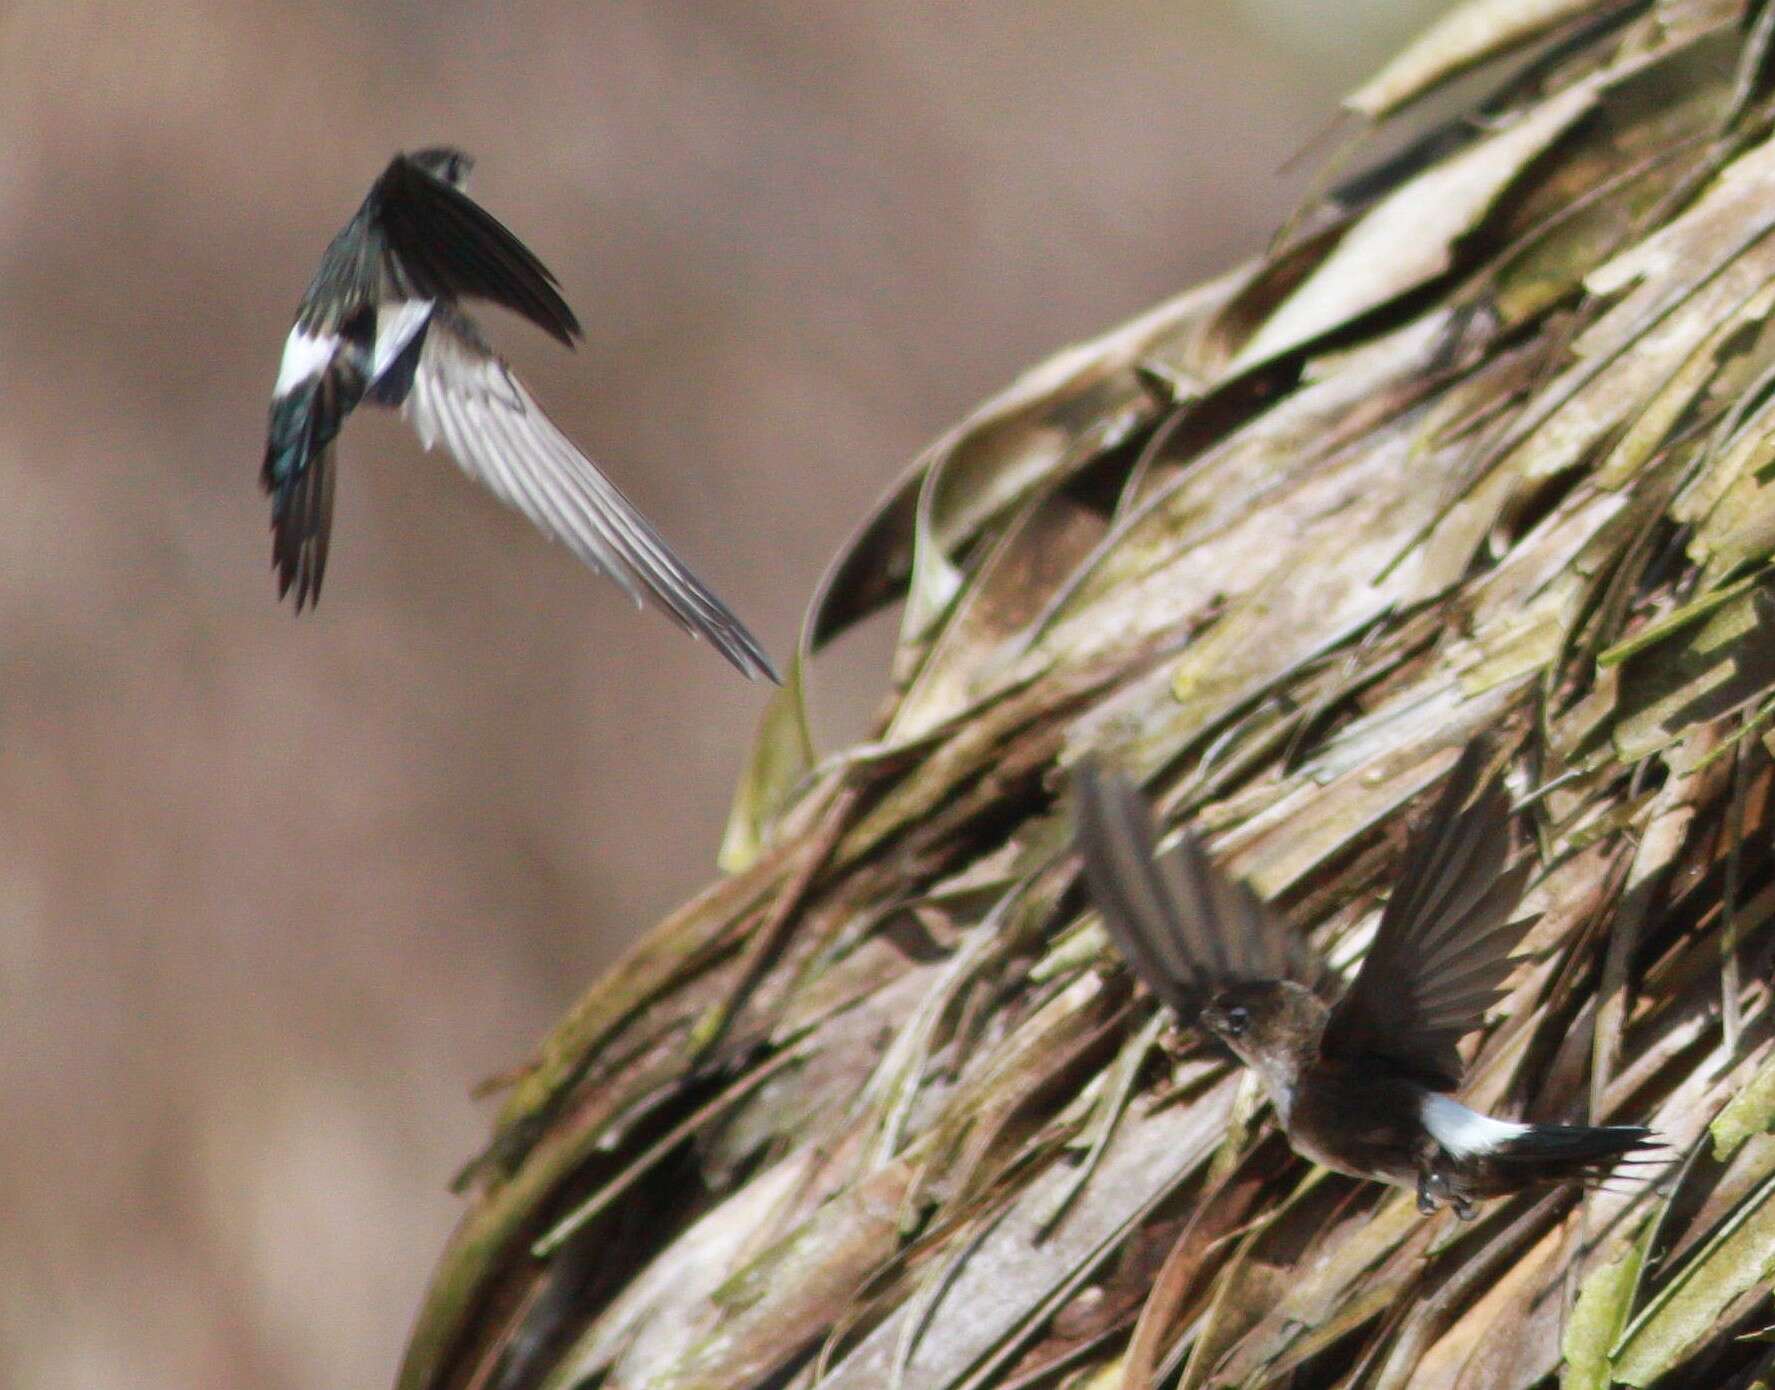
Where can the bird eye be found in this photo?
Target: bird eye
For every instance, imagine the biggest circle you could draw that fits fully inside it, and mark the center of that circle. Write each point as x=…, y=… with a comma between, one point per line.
x=1238, y=1018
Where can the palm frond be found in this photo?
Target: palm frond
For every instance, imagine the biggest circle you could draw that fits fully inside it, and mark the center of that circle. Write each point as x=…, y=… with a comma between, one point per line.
x=1482, y=444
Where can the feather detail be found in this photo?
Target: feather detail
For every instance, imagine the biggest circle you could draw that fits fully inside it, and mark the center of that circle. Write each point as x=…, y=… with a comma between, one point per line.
x=1443, y=947
x=1186, y=928
x=466, y=397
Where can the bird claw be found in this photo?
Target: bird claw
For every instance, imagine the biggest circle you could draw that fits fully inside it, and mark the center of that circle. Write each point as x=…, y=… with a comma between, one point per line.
x=1434, y=1190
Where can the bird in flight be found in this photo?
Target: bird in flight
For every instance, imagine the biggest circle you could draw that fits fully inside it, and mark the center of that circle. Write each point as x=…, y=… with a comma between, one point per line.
x=382, y=321
x=1362, y=1085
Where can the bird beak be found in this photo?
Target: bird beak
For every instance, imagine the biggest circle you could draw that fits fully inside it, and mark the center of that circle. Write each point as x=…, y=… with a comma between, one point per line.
x=1212, y=1019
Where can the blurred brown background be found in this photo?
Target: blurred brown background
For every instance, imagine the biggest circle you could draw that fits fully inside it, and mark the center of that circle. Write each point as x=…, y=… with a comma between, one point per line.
x=274, y=894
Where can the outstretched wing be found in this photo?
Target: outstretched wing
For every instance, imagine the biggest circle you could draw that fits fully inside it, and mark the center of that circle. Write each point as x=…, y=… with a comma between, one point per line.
x=441, y=244
x=465, y=395
x=1186, y=928
x=1444, y=941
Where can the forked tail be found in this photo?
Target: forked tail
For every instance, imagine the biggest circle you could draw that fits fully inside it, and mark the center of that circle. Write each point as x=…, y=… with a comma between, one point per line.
x=1577, y=1153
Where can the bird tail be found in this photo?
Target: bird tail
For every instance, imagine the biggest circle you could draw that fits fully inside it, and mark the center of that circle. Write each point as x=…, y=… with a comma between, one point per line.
x=298, y=474
x=1579, y=1153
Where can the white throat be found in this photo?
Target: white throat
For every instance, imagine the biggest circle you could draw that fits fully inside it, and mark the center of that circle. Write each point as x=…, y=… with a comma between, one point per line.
x=1279, y=1082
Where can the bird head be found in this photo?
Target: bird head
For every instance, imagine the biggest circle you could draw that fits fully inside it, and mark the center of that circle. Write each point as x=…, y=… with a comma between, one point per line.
x=1272, y=1025
x=445, y=163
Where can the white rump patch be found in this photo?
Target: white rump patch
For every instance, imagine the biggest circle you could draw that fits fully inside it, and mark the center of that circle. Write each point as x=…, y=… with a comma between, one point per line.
x=304, y=357
x=395, y=326
x=1465, y=1132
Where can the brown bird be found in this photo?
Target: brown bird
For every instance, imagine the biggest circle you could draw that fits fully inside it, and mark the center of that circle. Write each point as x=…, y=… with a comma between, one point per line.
x=1363, y=1085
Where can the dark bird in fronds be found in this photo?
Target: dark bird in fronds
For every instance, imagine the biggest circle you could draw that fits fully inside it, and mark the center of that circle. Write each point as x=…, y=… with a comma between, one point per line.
x=382, y=321
x=1361, y=1085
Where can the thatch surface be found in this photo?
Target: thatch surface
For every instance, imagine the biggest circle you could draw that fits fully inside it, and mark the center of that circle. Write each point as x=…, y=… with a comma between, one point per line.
x=1481, y=444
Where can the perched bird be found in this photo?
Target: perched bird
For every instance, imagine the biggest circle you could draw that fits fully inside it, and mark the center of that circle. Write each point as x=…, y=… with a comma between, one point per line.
x=382, y=321
x=1361, y=1085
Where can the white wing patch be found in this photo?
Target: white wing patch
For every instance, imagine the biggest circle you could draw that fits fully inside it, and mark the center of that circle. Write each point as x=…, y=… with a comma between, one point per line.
x=1465, y=1132
x=305, y=356
x=395, y=326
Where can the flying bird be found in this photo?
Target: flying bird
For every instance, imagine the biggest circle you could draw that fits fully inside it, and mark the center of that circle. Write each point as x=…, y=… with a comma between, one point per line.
x=382, y=321
x=1362, y=1085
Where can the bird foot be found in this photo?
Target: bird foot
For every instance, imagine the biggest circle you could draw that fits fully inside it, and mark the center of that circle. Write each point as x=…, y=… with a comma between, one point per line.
x=1434, y=1189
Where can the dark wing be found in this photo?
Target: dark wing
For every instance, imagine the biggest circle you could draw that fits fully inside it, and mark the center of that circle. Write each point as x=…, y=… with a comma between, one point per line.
x=301, y=527
x=444, y=245
x=1185, y=927
x=1444, y=941
x=465, y=395
x=299, y=469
